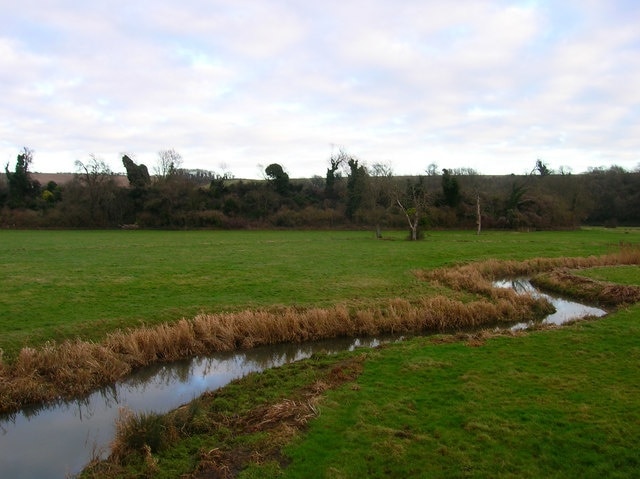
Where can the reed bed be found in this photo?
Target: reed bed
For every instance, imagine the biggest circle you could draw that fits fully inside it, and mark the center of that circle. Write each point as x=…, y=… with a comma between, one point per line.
x=564, y=281
x=74, y=368
x=477, y=277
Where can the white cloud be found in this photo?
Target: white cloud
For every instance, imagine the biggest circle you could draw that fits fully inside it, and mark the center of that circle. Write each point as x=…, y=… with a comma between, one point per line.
x=490, y=85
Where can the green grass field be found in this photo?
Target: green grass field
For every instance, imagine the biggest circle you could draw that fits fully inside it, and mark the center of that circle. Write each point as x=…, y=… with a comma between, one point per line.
x=553, y=403
x=562, y=403
x=64, y=284
x=550, y=403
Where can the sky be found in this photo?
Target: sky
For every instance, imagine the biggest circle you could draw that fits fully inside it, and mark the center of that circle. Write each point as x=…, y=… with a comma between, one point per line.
x=235, y=85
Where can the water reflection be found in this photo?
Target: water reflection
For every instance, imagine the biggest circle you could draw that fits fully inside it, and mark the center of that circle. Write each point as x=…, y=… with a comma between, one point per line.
x=566, y=310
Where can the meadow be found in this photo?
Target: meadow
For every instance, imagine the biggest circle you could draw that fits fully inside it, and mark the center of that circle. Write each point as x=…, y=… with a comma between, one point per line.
x=553, y=403
x=59, y=285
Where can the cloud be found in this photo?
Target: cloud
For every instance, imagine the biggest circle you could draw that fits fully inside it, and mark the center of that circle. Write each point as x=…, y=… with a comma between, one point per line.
x=489, y=85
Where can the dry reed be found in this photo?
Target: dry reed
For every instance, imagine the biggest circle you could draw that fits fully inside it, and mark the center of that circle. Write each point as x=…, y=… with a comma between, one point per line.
x=477, y=277
x=76, y=367
x=564, y=282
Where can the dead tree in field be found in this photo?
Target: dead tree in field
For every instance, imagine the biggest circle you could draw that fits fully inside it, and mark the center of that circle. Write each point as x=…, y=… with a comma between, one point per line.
x=479, y=216
x=414, y=206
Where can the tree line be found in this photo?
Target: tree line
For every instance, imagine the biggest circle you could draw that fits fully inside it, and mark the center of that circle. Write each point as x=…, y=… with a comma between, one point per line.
x=351, y=194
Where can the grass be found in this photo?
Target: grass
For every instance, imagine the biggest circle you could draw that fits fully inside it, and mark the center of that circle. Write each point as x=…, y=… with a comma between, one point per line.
x=560, y=402
x=524, y=406
x=255, y=416
x=73, y=368
x=59, y=285
x=97, y=277
x=550, y=403
x=628, y=274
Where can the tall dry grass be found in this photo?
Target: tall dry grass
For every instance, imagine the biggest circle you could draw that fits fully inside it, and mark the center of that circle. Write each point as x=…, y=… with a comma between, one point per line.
x=477, y=277
x=74, y=368
x=563, y=281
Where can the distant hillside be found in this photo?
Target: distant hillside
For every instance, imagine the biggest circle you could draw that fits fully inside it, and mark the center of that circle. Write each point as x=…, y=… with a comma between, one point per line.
x=63, y=178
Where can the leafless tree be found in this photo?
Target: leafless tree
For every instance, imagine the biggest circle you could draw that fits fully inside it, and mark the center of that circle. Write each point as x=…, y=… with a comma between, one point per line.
x=98, y=180
x=432, y=169
x=478, y=214
x=414, y=206
x=380, y=192
x=169, y=162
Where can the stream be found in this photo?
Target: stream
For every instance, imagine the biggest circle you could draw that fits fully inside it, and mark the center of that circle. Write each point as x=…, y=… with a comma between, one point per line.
x=566, y=310
x=57, y=440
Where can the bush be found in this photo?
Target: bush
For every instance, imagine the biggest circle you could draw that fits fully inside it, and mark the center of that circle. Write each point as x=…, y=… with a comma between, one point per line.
x=137, y=433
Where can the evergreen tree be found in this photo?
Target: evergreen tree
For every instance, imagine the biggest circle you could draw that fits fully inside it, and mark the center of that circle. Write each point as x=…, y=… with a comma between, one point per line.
x=22, y=190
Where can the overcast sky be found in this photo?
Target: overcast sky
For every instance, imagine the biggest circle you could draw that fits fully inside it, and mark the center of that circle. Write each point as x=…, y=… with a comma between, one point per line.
x=236, y=85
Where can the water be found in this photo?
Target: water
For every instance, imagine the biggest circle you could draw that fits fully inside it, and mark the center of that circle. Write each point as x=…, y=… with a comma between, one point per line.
x=58, y=440
x=565, y=310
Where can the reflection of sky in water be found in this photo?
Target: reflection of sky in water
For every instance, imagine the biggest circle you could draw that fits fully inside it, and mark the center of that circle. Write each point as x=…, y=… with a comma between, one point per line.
x=58, y=440
x=566, y=310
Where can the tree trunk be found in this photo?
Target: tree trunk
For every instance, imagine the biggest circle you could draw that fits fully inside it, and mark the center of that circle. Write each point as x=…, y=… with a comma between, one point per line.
x=479, y=218
x=414, y=232
x=413, y=225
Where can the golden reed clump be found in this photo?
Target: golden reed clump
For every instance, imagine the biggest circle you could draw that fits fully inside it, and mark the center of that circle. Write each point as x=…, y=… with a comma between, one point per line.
x=73, y=368
x=477, y=277
x=563, y=281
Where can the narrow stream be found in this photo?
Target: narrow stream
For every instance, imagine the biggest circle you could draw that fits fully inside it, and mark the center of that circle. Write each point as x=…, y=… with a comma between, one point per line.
x=57, y=440
x=566, y=310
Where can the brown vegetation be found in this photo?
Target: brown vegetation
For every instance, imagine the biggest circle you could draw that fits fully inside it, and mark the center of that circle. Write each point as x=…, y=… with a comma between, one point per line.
x=564, y=282
x=74, y=368
x=477, y=277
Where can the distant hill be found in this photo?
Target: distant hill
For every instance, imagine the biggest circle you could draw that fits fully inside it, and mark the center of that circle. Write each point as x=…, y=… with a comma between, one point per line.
x=62, y=178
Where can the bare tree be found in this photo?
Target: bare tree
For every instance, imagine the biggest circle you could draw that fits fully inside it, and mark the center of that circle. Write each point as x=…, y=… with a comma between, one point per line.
x=380, y=192
x=94, y=171
x=98, y=180
x=169, y=162
x=478, y=215
x=414, y=206
x=432, y=169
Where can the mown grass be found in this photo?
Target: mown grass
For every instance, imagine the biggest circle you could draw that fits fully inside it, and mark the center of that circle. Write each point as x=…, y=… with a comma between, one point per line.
x=58, y=285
